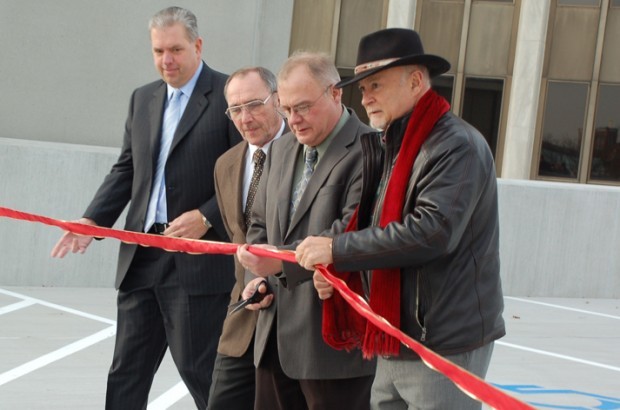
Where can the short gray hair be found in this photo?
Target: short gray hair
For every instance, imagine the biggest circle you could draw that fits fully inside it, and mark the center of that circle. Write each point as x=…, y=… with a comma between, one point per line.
x=269, y=79
x=320, y=66
x=172, y=15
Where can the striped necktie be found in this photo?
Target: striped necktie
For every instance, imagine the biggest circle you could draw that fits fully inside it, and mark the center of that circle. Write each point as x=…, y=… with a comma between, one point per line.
x=310, y=161
x=259, y=160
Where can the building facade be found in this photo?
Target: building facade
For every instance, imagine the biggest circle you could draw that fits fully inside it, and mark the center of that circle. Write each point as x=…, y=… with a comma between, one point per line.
x=539, y=78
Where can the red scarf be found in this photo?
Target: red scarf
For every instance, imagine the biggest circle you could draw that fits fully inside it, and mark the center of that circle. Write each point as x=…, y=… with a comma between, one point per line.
x=343, y=328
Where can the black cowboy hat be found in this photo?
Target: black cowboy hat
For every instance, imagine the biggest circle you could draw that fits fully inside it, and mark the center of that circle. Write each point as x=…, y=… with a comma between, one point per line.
x=393, y=47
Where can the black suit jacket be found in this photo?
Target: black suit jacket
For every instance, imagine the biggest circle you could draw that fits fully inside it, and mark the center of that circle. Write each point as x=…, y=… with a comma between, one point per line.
x=203, y=134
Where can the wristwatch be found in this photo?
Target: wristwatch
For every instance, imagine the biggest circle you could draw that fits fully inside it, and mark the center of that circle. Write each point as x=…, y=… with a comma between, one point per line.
x=206, y=222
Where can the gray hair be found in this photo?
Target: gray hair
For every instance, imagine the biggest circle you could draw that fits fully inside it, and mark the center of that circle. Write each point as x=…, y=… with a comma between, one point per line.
x=426, y=78
x=172, y=15
x=320, y=66
x=269, y=79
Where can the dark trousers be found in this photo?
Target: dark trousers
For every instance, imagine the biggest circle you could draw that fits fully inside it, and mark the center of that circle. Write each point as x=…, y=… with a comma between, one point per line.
x=276, y=391
x=234, y=380
x=155, y=312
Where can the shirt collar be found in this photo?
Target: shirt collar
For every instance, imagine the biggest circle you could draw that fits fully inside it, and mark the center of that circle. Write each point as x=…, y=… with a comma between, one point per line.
x=322, y=147
x=188, y=87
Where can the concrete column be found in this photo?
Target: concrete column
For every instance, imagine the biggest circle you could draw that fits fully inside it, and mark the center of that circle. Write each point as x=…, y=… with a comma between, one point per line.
x=525, y=92
x=401, y=13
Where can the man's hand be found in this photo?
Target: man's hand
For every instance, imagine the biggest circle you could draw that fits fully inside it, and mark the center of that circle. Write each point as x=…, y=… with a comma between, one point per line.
x=314, y=250
x=323, y=288
x=249, y=290
x=259, y=265
x=187, y=225
x=73, y=242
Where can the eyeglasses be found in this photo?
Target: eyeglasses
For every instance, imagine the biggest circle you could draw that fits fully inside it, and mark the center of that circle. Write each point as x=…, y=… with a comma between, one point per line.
x=252, y=107
x=302, y=109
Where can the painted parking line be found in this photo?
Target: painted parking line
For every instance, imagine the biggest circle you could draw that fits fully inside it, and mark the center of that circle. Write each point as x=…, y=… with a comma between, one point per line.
x=58, y=307
x=170, y=397
x=589, y=312
x=162, y=402
x=16, y=306
x=559, y=356
x=56, y=355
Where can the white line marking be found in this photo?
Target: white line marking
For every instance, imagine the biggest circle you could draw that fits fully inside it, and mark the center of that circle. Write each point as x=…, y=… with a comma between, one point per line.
x=563, y=307
x=56, y=355
x=170, y=397
x=59, y=307
x=559, y=356
x=16, y=306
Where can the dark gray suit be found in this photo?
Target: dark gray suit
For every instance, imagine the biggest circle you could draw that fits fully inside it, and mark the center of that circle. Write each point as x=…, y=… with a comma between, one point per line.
x=331, y=195
x=202, y=282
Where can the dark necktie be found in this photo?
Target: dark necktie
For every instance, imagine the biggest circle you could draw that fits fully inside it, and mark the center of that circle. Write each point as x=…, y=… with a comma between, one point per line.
x=310, y=162
x=259, y=160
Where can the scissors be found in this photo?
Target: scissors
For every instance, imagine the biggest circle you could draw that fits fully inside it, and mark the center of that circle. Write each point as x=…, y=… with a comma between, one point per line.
x=254, y=298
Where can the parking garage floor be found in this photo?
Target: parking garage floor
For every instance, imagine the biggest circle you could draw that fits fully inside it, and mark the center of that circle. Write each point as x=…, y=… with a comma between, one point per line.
x=56, y=345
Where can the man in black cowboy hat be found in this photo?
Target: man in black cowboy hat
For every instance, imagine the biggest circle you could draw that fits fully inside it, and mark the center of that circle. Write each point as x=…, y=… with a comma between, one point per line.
x=426, y=232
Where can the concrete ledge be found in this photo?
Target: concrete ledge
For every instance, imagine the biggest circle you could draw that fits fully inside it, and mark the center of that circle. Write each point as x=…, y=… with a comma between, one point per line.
x=56, y=180
x=557, y=239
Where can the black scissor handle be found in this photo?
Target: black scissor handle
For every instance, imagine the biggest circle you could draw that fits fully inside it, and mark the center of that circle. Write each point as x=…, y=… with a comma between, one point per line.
x=256, y=297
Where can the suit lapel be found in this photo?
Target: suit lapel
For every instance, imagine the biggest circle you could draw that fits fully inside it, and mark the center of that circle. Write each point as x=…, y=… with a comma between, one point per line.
x=156, y=112
x=196, y=105
x=287, y=172
x=338, y=148
x=234, y=174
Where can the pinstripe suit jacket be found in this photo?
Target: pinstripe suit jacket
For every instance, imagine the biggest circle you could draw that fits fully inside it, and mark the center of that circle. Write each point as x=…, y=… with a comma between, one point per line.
x=203, y=134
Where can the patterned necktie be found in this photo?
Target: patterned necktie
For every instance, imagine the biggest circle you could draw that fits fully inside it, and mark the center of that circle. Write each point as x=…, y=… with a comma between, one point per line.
x=157, y=210
x=311, y=158
x=259, y=160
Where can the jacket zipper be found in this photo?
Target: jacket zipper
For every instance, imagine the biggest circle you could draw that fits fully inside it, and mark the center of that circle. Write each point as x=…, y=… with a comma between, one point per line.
x=388, y=166
x=417, y=307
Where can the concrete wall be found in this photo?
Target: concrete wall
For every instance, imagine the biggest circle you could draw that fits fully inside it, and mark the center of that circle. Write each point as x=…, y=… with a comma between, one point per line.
x=68, y=66
x=56, y=180
x=557, y=239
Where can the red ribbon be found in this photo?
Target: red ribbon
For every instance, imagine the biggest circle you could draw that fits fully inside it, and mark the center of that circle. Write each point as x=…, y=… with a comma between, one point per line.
x=469, y=383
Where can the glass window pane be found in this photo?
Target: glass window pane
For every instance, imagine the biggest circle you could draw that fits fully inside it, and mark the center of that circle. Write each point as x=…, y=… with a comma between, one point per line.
x=615, y=3
x=605, y=164
x=565, y=109
x=351, y=95
x=444, y=86
x=482, y=107
x=579, y=2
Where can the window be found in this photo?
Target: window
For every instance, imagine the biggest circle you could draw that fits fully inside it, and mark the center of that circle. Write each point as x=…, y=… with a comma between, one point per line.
x=482, y=107
x=563, y=125
x=444, y=86
x=605, y=165
x=579, y=2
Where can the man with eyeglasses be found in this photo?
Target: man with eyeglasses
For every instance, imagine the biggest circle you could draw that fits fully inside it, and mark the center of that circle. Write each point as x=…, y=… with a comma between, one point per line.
x=426, y=233
x=310, y=185
x=252, y=99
